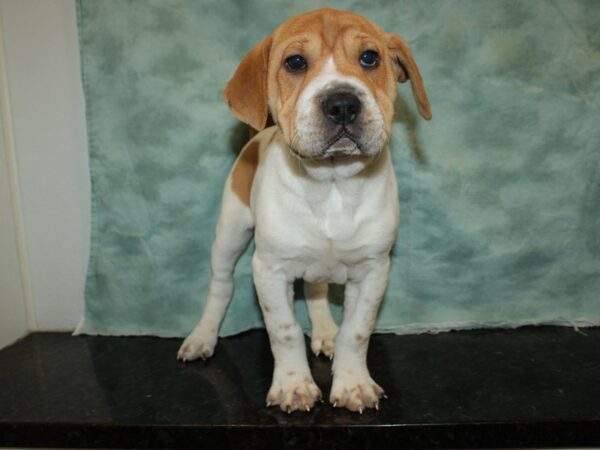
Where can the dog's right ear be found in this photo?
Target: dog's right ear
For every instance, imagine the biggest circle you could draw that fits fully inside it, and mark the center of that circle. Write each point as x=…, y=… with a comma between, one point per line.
x=246, y=92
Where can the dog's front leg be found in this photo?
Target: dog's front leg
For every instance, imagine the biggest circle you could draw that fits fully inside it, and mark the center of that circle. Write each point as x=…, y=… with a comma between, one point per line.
x=353, y=386
x=293, y=387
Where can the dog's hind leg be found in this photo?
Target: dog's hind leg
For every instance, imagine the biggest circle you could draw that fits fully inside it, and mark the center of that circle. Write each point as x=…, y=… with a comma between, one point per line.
x=233, y=233
x=324, y=329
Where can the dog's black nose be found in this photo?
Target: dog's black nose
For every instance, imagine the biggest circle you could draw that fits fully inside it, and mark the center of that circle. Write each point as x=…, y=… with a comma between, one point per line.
x=342, y=108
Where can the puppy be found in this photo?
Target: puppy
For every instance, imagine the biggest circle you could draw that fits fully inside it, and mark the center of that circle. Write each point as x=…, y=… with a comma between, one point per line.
x=318, y=192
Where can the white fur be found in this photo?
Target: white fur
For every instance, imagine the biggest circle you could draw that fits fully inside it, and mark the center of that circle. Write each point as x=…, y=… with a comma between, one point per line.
x=323, y=222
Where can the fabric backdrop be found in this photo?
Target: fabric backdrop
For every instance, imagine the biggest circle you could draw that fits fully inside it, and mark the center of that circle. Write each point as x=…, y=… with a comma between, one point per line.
x=500, y=192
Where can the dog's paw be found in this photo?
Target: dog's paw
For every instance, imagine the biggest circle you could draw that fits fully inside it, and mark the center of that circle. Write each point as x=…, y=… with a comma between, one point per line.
x=355, y=391
x=320, y=343
x=293, y=392
x=197, y=345
x=323, y=338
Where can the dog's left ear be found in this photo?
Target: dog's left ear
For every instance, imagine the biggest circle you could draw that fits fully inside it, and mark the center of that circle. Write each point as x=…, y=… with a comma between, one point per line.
x=246, y=92
x=405, y=68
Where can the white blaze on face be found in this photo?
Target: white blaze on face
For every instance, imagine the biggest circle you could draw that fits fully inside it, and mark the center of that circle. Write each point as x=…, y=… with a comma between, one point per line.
x=311, y=124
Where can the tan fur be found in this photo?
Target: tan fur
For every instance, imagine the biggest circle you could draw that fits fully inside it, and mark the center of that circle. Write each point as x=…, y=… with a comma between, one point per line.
x=246, y=91
x=242, y=175
x=400, y=50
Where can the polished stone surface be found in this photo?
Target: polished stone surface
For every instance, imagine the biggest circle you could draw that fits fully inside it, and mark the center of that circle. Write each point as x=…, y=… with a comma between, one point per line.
x=496, y=388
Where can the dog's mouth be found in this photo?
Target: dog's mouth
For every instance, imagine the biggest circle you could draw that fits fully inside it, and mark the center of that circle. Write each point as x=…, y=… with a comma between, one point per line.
x=342, y=145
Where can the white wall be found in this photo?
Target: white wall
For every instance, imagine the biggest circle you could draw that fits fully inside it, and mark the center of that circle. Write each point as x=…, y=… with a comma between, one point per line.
x=13, y=316
x=47, y=110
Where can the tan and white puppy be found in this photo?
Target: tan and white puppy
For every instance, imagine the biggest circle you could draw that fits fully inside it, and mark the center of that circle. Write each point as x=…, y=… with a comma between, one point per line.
x=318, y=191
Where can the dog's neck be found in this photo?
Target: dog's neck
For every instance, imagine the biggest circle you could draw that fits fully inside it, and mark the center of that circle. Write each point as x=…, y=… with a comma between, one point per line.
x=337, y=168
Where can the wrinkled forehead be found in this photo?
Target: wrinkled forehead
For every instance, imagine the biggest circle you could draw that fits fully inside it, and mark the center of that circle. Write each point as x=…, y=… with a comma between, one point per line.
x=328, y=31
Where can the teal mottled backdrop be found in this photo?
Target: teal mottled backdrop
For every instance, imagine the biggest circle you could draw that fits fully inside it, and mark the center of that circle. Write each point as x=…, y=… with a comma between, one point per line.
x=500, y=193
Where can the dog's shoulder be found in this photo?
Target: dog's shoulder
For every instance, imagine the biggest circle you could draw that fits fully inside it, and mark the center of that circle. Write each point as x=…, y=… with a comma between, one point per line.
x=244, y=169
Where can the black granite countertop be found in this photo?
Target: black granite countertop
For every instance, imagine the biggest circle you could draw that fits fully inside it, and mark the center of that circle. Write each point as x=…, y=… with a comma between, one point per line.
x=531, y=387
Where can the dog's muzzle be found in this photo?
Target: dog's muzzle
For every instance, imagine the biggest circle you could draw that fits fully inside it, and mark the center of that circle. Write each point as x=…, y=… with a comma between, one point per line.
x=342, y=111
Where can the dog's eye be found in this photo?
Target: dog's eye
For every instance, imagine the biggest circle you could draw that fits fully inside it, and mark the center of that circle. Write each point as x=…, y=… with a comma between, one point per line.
x=295, y=63
x=369, y=58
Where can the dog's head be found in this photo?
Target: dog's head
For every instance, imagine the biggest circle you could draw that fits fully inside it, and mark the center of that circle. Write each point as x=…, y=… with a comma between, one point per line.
x=328, y=79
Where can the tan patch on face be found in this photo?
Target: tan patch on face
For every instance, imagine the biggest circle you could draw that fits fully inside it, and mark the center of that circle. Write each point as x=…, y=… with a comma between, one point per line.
x=243, y=172
x=288, y=338
x=359, y=337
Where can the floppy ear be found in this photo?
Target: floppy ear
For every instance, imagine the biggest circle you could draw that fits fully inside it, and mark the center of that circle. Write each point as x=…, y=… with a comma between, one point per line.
x=246, y=92
x=405, y=68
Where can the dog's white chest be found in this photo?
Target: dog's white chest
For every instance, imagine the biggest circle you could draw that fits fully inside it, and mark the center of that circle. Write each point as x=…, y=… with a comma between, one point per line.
x=337, y=221
x=329, y=253
x=323, y=231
